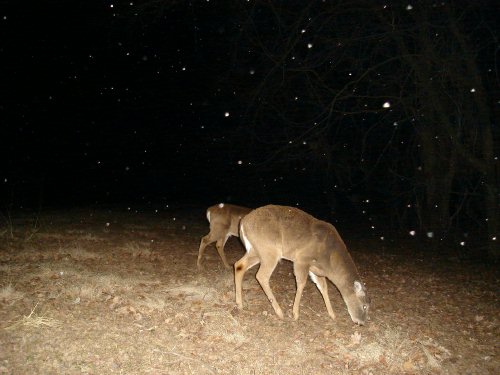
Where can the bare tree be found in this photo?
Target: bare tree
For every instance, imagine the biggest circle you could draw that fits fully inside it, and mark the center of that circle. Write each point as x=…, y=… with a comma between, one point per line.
x=393, y=98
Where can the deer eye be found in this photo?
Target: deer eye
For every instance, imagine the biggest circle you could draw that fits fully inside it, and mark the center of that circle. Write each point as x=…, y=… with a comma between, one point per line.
x=365, y=307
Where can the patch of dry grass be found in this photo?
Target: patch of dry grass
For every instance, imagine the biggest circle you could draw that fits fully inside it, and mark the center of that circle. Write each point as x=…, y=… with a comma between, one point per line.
x=83, y=293
x=9, y=295
x=93, y=287
x=111, y=283
x=395, y=350
x=151, y=303
x=190, y=292
x=33, y=320
x=78, y=252
x=56, y=270
x=135, y=249
x=5, y=268
x=221, y=324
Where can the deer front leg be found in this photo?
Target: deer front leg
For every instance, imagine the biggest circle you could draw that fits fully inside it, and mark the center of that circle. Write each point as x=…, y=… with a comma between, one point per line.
x=263, y=276
x=300, y=272
x=322, y=285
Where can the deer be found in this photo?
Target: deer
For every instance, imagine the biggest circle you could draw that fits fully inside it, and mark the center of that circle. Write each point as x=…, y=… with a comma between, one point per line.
x=272, y=233
x=224, y=221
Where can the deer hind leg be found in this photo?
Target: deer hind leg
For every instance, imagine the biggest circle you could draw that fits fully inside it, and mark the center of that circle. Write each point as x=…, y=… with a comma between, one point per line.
x=300, y=271
x=322, y=285
x=205, y=241
x=240, y=267
x=263, y=275
x=220, y=249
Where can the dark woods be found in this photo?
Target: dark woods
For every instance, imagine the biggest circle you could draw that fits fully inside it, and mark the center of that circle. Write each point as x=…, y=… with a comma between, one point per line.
x=385, y=112
x=388, y=104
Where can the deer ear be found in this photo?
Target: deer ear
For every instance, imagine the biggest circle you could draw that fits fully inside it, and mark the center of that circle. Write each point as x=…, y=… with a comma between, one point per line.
x=358, y=288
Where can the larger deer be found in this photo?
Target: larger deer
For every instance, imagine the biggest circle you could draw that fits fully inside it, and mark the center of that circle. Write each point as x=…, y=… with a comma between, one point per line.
x=224, y=220
x=271, y=233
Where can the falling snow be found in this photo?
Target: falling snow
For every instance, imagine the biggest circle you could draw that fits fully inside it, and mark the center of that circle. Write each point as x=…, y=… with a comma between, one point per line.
x=142, y=106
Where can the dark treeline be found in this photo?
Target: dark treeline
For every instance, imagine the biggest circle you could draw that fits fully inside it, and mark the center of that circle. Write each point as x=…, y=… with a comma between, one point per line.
x=348, y=105
x=344, y=102
x=391, y=102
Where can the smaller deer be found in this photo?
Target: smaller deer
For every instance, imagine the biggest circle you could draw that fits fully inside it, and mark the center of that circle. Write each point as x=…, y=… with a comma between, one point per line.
x=224, y=222
x=272, y=233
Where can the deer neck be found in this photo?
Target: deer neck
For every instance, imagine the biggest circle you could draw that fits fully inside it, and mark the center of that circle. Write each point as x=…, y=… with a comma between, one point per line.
x=342, y=271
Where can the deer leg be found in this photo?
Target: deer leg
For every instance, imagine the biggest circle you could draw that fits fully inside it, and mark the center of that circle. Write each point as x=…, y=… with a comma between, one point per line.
x=220, y=249
x=240, y=267
x=263, y=275
x=205, y=241
x=300, y=272
x=322, y=285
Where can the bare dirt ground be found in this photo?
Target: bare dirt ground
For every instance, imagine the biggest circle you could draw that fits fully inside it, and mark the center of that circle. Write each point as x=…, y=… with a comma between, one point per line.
x=103, y=292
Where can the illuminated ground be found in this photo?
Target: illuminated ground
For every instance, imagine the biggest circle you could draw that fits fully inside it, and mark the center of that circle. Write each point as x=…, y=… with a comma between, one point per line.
x=106, y=292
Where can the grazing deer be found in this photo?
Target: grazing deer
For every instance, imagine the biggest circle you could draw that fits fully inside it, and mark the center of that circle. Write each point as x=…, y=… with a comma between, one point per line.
x=271, y=233
x=224, y=220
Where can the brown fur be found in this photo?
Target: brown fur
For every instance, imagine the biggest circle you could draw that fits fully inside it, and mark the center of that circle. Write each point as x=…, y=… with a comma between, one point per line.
x=224, y=222
x=271, y=233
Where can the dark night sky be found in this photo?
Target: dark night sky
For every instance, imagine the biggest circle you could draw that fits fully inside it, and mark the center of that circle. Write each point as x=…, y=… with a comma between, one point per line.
x=98, y=106
x=120, y=103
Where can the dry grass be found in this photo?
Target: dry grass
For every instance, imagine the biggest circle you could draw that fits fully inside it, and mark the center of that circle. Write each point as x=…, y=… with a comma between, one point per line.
x=5, y=268
x=9, y=295
x=112, y=283
x=78, y=252
x=84, y=293
x=222, y=325
x=141, y=306
x=396, y=350
x=33, y=320
x=138, y=249
x=149, y=303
